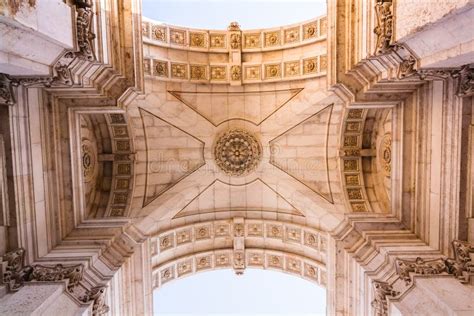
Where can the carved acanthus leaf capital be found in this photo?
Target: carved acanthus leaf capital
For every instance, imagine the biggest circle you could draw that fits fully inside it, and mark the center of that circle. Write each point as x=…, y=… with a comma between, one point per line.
x=6, y=90
x=419, y=266
x=462, y=265
x=466, y=81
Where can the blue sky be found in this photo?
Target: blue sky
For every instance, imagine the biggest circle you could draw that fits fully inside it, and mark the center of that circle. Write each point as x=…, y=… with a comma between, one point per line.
x=217, y=14
x=256, y=292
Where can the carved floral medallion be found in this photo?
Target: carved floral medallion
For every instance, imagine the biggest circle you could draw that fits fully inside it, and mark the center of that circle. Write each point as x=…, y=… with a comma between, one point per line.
x=88, y=160
x=237, y=152
x=385, y=154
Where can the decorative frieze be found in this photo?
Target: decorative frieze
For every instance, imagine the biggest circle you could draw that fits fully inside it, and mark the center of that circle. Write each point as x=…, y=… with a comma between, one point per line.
x=145, y=29
x=198, y=72
x=219, y=73
x=252, y=72
x=252, y=40
x=218, y=41
x=292, y=68
x=234, y=38
x=158, y=33
x=272, y=71
x=310, y=30
x=231, y=73
x=160, y=68
x=179, y=71
x=292, y=35
x=197, y=39
x=272, y=38
x=310, y=65
x=178, y=37
x=236, y=72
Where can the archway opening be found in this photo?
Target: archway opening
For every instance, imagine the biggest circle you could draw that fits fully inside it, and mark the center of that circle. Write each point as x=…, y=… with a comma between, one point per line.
x=255, y=292
x=217, y=14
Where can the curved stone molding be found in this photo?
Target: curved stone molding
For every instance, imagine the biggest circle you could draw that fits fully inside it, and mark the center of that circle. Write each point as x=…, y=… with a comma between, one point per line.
x=250, y=72
x=237, y=152
x=312, y=240
x=294, y=35
x=297, y=265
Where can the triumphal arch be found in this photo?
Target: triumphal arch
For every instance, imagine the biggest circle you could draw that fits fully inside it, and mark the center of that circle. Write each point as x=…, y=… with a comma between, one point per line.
x=135, y=153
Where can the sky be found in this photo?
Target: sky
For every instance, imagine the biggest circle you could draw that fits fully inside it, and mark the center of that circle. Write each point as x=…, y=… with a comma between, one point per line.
x=221, y=292
x=217, y=14
x=256, y=292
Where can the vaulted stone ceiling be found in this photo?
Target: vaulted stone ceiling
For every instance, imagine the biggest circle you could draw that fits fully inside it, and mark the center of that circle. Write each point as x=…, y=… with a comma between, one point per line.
x=291, y=172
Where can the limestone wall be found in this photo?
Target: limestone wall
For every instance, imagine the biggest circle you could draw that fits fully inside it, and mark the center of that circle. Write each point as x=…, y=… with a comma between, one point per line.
x=413, y=15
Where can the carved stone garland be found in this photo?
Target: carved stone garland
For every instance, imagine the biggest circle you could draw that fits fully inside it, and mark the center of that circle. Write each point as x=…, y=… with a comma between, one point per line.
x=85, y=36
x=384, y=27
x=237, y=152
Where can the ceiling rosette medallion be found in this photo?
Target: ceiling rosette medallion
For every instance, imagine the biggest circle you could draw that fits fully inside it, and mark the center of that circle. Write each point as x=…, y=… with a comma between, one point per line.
x=237, y=152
